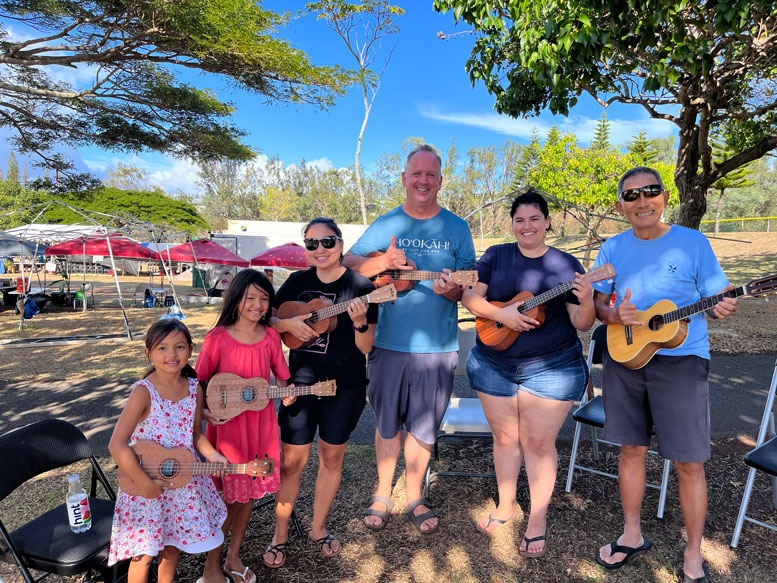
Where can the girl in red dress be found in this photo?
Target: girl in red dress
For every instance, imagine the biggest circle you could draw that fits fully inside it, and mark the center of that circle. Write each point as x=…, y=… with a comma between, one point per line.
x=243, y=344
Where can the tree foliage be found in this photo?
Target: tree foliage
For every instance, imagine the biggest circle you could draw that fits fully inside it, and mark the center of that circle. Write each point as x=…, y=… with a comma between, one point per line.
x=133, y=49
x=12, y=168
x=713, y=63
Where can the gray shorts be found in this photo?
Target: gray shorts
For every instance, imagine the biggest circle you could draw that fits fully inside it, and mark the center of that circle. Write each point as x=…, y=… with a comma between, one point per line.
x=669, y=393
x=411, y=390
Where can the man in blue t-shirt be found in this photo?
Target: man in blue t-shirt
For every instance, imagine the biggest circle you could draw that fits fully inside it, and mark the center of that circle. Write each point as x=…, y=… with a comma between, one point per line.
x=655, y=261
x=415, y=353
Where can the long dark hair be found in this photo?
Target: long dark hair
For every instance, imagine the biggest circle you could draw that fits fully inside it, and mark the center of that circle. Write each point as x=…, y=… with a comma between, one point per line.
x=160, y=330
x=237, y=290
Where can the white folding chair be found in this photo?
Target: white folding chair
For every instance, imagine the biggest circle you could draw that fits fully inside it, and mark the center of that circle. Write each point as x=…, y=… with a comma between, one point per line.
x=591, y=413
x=763, y=458
x=464, y=417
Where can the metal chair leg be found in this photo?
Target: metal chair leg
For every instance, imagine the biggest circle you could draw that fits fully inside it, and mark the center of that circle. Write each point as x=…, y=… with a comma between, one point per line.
x=743, y=508
x=595, y=441
x=573, y=457
x=664, y=488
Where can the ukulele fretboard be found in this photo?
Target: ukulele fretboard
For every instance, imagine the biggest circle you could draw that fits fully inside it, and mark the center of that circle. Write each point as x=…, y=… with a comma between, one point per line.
x=414, y=275
x=334, y=310
x=702, y=304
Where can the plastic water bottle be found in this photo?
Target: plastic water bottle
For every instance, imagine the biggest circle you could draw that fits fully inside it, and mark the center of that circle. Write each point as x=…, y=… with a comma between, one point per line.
x=78, y=512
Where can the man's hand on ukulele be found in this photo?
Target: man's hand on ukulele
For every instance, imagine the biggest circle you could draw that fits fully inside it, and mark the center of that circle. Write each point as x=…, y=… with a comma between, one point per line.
x=514, y=320
x=211, y=418
x=357, y=310
x=217, y=458
x=289, y=401
x=395, y=258
x=726, y=306
x=443, y=285
x=299, y=328
x=627, y=312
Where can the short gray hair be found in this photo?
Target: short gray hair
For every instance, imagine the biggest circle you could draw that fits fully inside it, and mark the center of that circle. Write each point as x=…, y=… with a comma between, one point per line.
x=423, y=148
x=638, y=170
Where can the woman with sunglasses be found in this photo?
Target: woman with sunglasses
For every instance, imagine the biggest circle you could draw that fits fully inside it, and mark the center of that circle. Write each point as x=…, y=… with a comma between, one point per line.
x=528, y=388
x=338, y=355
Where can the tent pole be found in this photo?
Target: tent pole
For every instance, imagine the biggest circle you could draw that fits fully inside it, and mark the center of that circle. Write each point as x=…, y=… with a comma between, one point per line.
x=83, y=282
x=118, y=287
x=197, y=266
x=167, y=272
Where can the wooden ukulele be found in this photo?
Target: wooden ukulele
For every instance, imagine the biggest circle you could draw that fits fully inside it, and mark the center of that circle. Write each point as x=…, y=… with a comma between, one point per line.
x=666, y=325
x=177, y=465
x=323, y=312
x=404, y=279
x=228, y=394
x=499, y=337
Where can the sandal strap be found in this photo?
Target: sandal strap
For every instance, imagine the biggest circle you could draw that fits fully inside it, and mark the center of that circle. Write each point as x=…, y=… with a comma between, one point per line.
x=275, y=549
x=529, y=541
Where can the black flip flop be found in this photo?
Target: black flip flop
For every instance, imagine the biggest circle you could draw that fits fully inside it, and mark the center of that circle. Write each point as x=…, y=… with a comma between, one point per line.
x=703, y=579
x=631, y=553
x=384, y=515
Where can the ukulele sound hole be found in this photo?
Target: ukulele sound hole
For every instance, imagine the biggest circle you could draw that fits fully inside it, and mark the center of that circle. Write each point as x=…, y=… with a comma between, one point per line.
x=248, y=394
x=656, y=323
x=169, y=468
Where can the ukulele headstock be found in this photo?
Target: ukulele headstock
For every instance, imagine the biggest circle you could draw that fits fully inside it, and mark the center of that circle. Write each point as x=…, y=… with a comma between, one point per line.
x=383, y=294
x=324, y=389
x=260, y=467
x=468, y=278
x=762, y=286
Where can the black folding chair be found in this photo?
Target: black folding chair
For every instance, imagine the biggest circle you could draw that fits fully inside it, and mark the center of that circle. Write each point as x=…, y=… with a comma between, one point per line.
x=46, y=543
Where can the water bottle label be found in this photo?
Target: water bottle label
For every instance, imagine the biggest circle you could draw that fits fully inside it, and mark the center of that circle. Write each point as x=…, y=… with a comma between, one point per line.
x=79, y=513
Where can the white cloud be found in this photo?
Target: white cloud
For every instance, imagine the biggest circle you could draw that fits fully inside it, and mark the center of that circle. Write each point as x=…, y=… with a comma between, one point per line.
x=321, y=163
x=621, y=130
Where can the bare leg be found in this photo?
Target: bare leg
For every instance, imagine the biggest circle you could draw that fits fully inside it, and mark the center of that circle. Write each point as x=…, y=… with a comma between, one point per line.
x=417, y=454
x=168, y=561
x=138, y=569
x=211, y=572
x=242, y=515
x=631, y=477
x=502, y=416
x=386, y=454
x=293, y=462
x=327, y=483
x=540, y=422
x=692, y=487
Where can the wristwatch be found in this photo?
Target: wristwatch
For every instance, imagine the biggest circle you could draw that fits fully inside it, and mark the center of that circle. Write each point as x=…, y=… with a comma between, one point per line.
x=361, y=329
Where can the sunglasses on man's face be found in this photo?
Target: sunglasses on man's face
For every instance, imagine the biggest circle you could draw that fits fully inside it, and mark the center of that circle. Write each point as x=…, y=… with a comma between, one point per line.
x=649, y=191
x=327, y=242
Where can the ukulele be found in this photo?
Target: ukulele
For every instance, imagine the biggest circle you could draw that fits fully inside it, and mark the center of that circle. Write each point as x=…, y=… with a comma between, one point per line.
x=177, y=465
x=497, y=336
x=228, y=395
x=666, y=325
x=404, y=279
x=323, y=312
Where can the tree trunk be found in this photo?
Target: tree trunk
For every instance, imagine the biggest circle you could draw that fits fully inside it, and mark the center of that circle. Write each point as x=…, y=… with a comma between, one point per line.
x=717, y=211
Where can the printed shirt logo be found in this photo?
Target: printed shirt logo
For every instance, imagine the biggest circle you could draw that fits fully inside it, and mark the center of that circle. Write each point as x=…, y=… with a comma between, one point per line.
x=671, y=270
x=423, y=246
x=320, y=344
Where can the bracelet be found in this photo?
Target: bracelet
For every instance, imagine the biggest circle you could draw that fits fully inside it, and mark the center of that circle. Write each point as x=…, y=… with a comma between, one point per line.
x=361, y=329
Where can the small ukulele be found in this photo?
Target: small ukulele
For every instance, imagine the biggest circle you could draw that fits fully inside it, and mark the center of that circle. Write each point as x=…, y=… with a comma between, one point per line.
x=404, y=279
x=499, y=337
x=323, y=312
x=177, y=465
x=228, y=394
x=666, y=325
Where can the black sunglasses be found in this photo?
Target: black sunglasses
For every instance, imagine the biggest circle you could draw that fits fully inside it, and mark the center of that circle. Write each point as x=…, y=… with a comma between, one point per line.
x=327, y=242
x=649, y=191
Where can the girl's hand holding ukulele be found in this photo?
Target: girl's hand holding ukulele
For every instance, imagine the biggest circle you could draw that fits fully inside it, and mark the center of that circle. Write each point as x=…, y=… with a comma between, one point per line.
x=211, y=418
x=217, y=458
x=288, y=401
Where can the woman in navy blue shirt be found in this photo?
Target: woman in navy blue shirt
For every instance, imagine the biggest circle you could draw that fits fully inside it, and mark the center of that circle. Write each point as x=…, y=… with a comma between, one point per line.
x=528, y=388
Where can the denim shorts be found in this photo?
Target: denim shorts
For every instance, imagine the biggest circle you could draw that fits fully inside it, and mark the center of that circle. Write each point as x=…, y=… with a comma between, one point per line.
x=562, y=376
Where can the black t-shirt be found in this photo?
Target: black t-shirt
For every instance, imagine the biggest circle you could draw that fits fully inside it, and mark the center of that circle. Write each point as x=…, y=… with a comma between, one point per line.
x=507, y=272
x=333, y=355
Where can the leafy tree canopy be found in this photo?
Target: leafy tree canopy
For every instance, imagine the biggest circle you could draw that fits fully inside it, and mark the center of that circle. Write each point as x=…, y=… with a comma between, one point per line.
x=715, y=60
x=134, y=48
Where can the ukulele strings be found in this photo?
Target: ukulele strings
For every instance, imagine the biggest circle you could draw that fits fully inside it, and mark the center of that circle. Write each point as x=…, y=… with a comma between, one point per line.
x=334, y=310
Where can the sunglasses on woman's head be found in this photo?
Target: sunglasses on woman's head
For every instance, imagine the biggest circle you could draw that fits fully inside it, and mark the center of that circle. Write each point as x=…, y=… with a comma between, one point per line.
x=649, y=191
x=327, y=242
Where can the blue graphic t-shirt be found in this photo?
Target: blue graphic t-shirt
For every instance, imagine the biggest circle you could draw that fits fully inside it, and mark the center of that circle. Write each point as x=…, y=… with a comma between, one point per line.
x=678, y=266
x=420, y=321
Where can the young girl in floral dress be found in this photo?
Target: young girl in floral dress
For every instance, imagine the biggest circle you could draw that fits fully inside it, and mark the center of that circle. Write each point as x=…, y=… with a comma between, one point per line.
x=164, y=407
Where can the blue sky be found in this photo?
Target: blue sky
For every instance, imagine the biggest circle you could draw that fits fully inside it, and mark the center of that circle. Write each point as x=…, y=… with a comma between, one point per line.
x=425, y=93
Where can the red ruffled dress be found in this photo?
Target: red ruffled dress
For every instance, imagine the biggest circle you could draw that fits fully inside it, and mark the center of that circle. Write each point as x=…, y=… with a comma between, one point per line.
x=252, y=433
